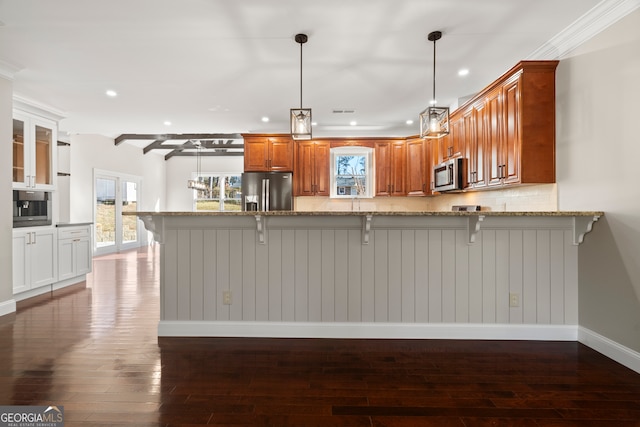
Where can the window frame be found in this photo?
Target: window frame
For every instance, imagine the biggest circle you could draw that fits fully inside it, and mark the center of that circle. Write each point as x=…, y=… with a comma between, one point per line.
x=368, y=154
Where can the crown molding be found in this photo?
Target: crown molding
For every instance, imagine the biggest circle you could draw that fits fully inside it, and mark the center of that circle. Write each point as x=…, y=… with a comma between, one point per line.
x=7, y=70
x=601, y=16
x=34, y=107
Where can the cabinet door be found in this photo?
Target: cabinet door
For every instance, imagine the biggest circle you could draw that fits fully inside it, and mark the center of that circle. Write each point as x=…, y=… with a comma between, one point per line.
x=321, y=168
x=280, y=154
x=256, y=154
x=21, y=263
x=480, y=139
x=44, y=138
x=493, y=121
x=512, y=141
x=83, y=253
x=417, y=176
x=20, y=152
x=383, y=168
x=43, y=258
x=398, y=165
x=66, y=259
x=304, y=172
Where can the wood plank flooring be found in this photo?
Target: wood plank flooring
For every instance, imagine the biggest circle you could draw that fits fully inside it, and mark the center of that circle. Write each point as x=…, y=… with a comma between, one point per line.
x=94, y=350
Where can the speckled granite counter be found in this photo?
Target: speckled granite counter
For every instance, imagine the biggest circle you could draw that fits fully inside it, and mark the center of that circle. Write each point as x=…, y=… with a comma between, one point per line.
x=377, y=213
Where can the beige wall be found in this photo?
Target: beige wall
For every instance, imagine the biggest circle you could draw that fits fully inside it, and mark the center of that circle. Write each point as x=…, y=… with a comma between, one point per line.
x=6, y=214
x=598, y=151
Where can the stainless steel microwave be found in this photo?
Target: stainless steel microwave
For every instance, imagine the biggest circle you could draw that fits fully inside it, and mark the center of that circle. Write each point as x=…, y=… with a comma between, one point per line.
x=450, y=175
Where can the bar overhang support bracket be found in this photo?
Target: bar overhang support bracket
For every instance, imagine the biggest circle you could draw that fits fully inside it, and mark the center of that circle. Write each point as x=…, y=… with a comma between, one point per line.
x=261, y=229
x=581, y=226
x=366, y=228
x=473, y=227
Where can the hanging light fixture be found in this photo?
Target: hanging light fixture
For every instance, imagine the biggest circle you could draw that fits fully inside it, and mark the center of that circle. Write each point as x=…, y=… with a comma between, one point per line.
x=196, y=184
x=434, y=121
x=301, y=117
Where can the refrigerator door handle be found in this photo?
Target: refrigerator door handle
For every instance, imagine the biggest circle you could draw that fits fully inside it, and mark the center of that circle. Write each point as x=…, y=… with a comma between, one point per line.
x=263, y=205
x=268, y=195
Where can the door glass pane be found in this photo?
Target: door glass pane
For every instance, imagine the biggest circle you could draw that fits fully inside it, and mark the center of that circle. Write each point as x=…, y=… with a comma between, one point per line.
x=233, y=193
x=18, y=151
x=44, y=144
x=105, y=212
x=129, y=204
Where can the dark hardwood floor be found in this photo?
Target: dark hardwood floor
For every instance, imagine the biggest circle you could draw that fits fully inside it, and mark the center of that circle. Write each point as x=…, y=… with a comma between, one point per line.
x=94, y=350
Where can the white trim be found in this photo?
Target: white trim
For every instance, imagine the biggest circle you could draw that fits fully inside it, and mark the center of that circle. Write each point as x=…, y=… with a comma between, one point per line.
x=37, y=108
x=50, y=288
x=601, y=16
x=7, y=307
x=8, y=71
x=168, y=328
x=621, y=354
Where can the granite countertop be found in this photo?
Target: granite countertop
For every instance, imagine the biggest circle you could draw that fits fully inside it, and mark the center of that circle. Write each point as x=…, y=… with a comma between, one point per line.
x=374, y=213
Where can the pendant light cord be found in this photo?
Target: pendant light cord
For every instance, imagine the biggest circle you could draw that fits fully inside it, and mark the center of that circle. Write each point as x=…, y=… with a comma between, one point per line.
x=301, y=75
x=434, y=73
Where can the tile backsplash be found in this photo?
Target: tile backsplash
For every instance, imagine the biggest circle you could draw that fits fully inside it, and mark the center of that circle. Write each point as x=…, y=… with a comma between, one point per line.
x=538, y=198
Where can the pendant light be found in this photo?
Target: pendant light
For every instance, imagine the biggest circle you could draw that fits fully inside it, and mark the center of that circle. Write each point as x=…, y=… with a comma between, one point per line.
x=196, y=184
x=434, y=121
x=301, y=117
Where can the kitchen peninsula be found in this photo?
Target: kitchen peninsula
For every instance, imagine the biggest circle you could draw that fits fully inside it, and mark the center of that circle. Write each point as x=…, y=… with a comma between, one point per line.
x=491, y=275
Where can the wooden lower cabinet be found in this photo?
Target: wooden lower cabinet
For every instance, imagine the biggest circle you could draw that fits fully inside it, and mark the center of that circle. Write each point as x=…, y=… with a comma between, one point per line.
x=311, y=177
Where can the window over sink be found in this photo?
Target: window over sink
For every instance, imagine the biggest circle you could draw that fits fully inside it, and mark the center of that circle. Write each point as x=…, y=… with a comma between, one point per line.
x=351, y=172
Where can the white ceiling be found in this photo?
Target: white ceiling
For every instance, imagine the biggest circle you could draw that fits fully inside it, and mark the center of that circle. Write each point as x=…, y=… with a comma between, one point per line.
x=219, y=66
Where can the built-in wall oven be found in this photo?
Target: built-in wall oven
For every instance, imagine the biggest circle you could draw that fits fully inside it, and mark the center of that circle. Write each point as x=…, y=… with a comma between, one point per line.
x=31, y=208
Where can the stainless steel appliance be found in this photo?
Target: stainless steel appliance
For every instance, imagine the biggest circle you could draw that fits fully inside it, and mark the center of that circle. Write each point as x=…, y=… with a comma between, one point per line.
x=267, y=191
x=450, y=175
x=31, y=208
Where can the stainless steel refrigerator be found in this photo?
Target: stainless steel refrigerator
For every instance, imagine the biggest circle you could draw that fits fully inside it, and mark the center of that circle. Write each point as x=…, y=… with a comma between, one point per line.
x=267, y=191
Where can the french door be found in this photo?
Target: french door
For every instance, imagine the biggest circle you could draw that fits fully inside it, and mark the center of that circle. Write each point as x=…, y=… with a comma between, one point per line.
x=114, y=194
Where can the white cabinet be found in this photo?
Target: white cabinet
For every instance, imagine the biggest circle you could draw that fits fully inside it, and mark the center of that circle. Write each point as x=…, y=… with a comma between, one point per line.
x=74, y=251
x=34, y=258
x=34, y=153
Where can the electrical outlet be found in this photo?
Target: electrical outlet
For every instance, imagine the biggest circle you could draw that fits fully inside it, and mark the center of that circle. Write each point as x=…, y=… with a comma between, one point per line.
x=226, y=297
x=514, y=300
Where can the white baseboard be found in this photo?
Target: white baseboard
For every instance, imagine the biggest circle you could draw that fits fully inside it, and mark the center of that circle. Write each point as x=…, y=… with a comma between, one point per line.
x=367, y=330
x=49, y=288
x=7, y=307
x=621, y=354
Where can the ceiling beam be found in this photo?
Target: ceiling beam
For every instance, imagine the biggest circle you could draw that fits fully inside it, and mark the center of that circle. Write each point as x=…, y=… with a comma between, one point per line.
x=175, y=136
x=180, y=153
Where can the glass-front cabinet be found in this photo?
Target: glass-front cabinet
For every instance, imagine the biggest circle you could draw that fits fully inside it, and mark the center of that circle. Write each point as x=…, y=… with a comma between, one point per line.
x=34, y=139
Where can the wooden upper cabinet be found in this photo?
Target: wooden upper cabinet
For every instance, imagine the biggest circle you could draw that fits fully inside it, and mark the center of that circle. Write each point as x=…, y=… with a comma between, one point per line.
x=452, y=145
x=390, y=161
x=418, y=167
x=311, y=174
x=268, y=153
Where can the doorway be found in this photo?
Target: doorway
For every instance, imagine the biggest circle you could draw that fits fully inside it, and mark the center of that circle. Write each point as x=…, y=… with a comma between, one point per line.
x=114, y=194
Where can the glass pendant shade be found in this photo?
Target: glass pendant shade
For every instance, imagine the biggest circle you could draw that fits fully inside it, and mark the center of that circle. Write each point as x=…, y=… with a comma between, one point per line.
x=301, y=123
x=434, y=122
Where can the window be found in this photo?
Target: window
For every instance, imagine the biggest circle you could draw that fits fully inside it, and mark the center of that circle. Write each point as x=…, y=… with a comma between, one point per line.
x=351, y=175
x=222, y=193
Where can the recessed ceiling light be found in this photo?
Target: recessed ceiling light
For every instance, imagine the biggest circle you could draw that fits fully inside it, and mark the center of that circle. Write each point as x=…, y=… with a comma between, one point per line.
x=409, y=122
x=314, y=123
x=265, y=119
x=111, y=93
x=463, y=72
x=167, y=123
x=353, y=123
